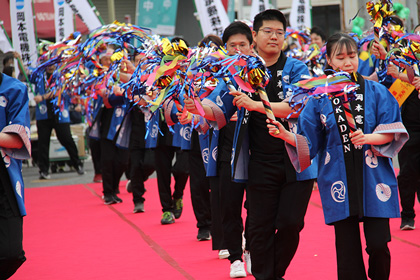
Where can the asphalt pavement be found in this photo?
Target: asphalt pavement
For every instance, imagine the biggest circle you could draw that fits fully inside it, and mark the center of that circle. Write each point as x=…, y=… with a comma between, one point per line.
x=68, y=177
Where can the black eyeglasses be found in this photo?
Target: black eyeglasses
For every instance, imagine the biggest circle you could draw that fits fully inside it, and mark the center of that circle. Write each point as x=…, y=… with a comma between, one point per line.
x=269, y=32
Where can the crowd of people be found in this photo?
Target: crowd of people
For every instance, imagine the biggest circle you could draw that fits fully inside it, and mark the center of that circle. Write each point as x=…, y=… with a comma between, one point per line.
x=234, y=144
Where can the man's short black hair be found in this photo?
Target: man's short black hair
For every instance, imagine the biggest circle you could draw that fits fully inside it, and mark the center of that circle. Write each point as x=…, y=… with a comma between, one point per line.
x=237, y=27
x=270, y=14
x=318, y=31
x=7, y=57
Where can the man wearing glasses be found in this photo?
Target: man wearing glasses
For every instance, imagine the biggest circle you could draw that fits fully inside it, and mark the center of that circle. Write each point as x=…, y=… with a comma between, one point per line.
x=278, y=197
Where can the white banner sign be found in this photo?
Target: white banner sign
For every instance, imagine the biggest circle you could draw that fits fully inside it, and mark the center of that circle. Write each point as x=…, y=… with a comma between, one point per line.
x=213, y=16
x=23, y=32
x=4, y=41
x=86, y=12
x=257, y=7
x=300, y=15
x=64, y=23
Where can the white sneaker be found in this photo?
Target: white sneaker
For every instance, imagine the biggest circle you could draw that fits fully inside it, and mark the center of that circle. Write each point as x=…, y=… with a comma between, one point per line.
x=237, y=269
x=223, y=254
x=247, y=259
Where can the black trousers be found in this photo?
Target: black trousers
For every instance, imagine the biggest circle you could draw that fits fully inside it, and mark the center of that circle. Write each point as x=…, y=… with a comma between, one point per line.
x=276, y=217
x=409, y=177
x=349, y=248
x=12, y=255
x=62, y=130
x=200, y=191
x=139, y=172
x=163, y=161
x=217, y=238
x=114, y=163
x=232, y=197
x=95, y=151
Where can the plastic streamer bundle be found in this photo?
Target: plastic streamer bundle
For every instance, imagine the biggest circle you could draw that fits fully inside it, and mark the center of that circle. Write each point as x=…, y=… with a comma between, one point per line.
x=78, y=73
x=249, y=73
x=302, y=36
x=308, y=53
x=336, y=84
x=379, y=12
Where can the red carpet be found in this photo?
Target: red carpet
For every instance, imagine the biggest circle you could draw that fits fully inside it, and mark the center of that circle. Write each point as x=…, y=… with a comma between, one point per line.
x=70, y=234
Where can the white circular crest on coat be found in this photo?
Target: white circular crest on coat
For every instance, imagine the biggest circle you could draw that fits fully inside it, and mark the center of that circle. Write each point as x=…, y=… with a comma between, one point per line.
x=6, y=159
x=205, y=155
x=214, y=154
x=323, y=119
x=371, y=159
x=65, y=113
x=186, y=134
x=118, y=112
x=289, y=92
x=155, y=131
x=219, y=101
x=3, y=101
x=43, y=109
x=232, y=156
x=18, y=188
x=338, y=191
x=327, y=158
x=383, y=192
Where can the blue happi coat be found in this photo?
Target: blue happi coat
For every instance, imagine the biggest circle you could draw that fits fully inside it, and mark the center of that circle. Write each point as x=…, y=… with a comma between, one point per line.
x=181, y=134
x=120, y=127
x=365, y=67
x=41, y=112
x=14, y=118
x=220, y=101
x=318, y=133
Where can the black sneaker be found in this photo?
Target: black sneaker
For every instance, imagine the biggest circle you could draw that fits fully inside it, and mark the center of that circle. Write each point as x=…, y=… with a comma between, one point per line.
x=407, y=224
x=80, y=170
x=138, y=207
x=178, y=207
x=167, y=218
x=109, y=199
x=44, y=176
x=128, y=187
x=117, y=199
x=203, y=234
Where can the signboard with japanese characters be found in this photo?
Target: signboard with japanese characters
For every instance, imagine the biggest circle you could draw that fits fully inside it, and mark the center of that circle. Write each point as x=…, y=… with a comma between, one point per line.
x=213, y=16
x=5, y=45
x=86, y=13
x=257, y=7
x=23, y=33
x=158, y=15
x=300, y=15
x=64, y=23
